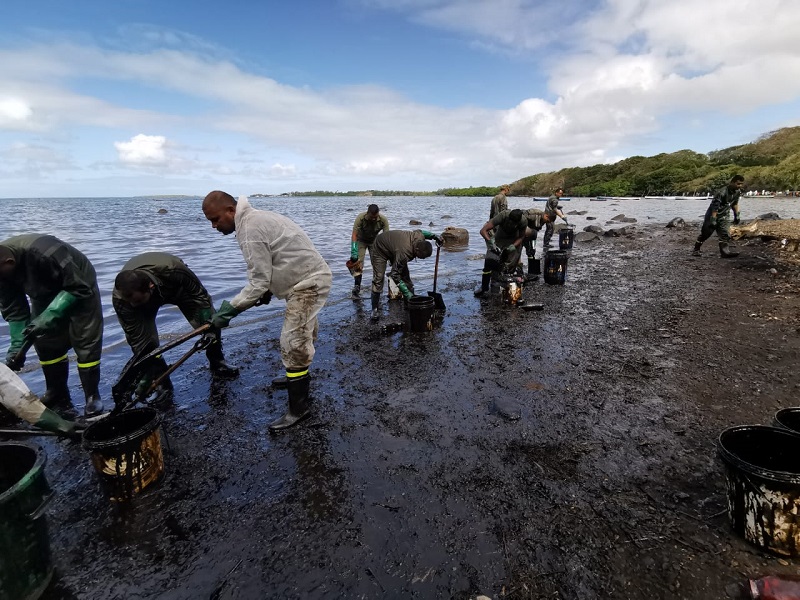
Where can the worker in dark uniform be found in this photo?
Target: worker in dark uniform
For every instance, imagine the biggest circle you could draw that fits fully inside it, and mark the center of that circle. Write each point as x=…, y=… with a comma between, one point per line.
x=366, y=228
x=718, y=217
x=504, y=247
x=554, y=208
x=397, y=248
x=64, y=312
x=145, y=284
x=536, y=220
x=499, y=202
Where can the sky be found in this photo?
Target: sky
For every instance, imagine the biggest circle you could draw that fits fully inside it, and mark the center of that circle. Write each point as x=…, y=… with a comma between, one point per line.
x=147, y=97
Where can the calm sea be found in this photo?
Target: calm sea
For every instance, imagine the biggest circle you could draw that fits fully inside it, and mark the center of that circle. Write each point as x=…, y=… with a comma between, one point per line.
x=111, y=230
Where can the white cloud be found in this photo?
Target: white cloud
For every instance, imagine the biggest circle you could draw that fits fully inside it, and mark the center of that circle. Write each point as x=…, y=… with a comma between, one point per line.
x=149, y=150
x=13, y=110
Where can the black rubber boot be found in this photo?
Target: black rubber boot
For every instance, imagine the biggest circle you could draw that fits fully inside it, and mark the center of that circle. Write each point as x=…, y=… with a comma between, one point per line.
x=280, y=382
x=90, y=381
x=483, y=291
x=357, y=286
x=298, y=404
x=55, y=377
x=725, y=252
x=376, y=301
x=534, y=269
x=216, y=362
x=696, y=251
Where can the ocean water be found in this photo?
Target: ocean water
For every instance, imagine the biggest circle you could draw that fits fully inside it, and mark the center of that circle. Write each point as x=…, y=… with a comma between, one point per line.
x=111, y=230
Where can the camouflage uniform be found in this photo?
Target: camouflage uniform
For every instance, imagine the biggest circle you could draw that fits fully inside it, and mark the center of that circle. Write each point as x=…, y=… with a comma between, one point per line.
x=366, y=231
x=535, y=218
x=504, y=235
x=551, y=207
x=724, y=200
x=395, y=247
x=499, y=204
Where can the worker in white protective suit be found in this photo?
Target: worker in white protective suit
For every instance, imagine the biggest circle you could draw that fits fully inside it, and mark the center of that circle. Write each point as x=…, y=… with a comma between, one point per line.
x=281, y=261
x=17, y=398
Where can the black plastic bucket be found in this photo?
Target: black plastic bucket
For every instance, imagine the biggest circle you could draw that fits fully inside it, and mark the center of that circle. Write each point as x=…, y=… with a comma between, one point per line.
x=762, y=468
x=555, y=267
x=126, y=451
x=25, y=562
x=566, y=237
x=420, y=313
x=788, y=418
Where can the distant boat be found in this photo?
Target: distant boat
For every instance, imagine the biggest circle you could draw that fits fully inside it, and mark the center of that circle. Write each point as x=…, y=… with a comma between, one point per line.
x=605, y=198
x=545, y=199
x=678, y=197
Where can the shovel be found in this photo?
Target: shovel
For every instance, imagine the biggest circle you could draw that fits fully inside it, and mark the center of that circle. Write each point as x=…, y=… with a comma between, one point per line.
x=121, y=391
x=437, y=298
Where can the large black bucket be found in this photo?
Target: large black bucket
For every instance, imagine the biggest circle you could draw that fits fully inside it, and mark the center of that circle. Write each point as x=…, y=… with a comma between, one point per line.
x=555, y=267
x=566, y=237
x=126, y=451
x=420, y=313
x=25, y=563
x=762, y=467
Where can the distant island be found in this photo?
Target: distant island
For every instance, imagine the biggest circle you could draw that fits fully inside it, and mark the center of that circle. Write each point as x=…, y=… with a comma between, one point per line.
x=772, y=162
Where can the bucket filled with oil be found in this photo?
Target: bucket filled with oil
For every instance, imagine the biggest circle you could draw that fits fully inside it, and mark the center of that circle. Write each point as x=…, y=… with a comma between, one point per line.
x=126, y=451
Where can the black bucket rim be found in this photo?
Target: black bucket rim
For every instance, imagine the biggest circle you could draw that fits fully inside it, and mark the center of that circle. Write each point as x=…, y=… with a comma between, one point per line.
x=785, y=411
x=143, y=431
x=421, y=301
x=732, y=460
x=38, y=464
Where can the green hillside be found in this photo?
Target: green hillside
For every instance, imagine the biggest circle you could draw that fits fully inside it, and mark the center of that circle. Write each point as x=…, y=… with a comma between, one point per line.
x=771, y=162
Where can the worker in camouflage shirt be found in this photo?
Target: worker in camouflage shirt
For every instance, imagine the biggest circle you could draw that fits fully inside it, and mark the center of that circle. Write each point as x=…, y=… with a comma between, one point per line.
x=718, y=217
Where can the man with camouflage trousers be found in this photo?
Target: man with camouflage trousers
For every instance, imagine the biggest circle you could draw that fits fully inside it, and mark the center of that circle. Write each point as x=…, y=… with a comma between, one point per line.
x=554, y=208
x=502, y=248
x=718, y=217
x=536, y=220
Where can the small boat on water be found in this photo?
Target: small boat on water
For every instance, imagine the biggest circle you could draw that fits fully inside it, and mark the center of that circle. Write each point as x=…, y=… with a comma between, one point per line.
x=606, y=198
x=545, y=199
x=678, y=197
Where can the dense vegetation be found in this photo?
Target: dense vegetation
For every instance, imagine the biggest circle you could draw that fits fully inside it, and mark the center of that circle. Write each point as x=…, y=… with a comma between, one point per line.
x=770, y=163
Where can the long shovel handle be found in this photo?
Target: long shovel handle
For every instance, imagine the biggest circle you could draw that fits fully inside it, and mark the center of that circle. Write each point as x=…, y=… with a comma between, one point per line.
x=436, y=268
x=197, y=346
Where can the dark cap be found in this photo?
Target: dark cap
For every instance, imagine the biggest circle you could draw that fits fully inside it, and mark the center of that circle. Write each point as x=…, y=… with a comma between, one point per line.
x=423, y=249
x=373, y=209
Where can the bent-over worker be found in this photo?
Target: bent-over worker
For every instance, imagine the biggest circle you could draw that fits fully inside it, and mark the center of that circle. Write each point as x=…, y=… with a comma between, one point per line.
x=64, y=312
x=503, y=248
x=718, y=217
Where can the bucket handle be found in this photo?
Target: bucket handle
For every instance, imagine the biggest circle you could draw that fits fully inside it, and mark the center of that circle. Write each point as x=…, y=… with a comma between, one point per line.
x=41, y=508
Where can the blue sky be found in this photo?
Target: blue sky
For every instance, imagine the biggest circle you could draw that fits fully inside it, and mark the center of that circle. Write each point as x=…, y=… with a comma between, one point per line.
x=137, y=97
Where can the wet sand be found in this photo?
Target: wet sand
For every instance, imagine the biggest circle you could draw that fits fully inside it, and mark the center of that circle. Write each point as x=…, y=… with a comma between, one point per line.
x=415, y=479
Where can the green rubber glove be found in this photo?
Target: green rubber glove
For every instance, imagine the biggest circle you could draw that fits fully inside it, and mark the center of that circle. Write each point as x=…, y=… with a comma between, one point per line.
x=48, y=321
x=491, y=246
x=353, y=250
x=223, y=316
x=16, y=330
x=404, y=290
x=510, y=249
x=713, y=221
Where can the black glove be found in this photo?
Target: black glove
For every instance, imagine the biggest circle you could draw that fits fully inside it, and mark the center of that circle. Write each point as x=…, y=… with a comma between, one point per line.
x=439, y=240
x=736, y=219
x=208, y=339
x=265, y=299
x=14, y=365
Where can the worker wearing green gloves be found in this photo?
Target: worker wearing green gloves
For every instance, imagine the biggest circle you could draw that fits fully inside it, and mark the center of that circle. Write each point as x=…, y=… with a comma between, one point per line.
x=503, y=248
x=281, y=260
x=64, y=312
x=718, y=217
x=366, y=228
x=536, y=220
x=398, y=247
x=145, y=284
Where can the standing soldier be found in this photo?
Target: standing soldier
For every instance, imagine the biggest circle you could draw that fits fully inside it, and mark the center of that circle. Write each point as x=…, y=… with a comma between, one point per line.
x=554, y=208
x=64, y=312
x=536, y=220
x=281, y=260
x=509, y=232
x=499, y=202
x=145, y=284
x=366, y=228
x=398, y=247
x=718, y=217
